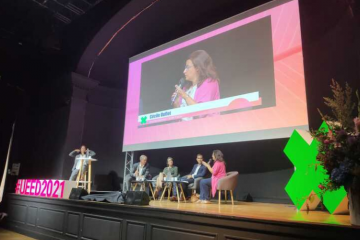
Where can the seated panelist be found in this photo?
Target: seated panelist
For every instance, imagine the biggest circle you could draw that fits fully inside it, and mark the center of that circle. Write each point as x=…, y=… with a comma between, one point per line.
x=140, y=170
x=218, y=170
x=169, y=171
x=199, y=170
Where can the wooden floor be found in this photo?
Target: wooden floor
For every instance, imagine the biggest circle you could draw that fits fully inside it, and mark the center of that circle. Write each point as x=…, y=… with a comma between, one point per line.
x=9, y=235
x=266, y=211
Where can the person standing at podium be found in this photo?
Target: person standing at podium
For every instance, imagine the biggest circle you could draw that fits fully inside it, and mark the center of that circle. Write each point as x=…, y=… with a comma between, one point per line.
x=83, y=152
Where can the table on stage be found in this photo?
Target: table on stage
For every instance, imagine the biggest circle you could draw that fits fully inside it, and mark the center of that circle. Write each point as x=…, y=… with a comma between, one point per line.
x=168, y=186
x=88, y=181
x=142, y=184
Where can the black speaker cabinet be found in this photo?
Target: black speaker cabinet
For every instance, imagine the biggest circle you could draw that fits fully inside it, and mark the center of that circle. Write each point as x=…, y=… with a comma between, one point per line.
x=77, y=193
x=137, y=198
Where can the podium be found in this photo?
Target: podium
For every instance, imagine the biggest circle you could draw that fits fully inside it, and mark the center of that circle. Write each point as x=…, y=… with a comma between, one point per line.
x=88, y=180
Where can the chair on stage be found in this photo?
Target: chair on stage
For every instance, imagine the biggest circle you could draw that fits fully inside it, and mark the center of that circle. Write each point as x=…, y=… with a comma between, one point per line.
x=83, y=179
x=228, y=183
x=195, y=185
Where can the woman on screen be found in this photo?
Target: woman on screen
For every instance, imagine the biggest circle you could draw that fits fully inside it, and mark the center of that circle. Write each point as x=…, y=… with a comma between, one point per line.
x=218, y=171
x=202, y=81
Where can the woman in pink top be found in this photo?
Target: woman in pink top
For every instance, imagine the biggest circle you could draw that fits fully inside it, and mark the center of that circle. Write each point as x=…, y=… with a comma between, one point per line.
x=202, y=81
x=218, y=171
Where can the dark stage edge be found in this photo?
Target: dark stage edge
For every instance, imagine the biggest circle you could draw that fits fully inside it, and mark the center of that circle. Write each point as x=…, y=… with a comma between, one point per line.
x=43, y=218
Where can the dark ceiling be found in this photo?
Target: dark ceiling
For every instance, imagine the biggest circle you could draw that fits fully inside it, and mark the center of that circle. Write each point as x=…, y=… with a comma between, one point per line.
x=34, y=22
x=41, y=43
x=55, y=32
x=68, y=34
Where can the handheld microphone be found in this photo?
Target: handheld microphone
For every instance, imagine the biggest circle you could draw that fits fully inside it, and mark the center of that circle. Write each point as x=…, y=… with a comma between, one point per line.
x=210, y=161
x=181, y=84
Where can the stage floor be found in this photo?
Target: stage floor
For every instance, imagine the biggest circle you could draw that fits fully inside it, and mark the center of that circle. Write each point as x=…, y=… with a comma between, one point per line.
x=254, y=210
x=68, y=219
x=10, y=235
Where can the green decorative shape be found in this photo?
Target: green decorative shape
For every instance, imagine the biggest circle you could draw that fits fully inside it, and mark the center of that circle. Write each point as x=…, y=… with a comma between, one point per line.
x=143, y=120
x=308, y=174
x=333, y=199
x=303, y=181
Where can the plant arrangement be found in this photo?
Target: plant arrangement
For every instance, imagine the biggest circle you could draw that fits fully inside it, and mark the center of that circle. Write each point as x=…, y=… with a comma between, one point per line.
x=339, y=145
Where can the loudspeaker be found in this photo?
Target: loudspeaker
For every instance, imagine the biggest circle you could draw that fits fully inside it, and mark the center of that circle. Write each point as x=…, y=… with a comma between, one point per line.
x=137, y=198
x=247, y=198
x=77, y=193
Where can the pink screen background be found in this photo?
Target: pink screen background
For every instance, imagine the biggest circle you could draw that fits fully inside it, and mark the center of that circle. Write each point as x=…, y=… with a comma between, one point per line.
x=290, y=109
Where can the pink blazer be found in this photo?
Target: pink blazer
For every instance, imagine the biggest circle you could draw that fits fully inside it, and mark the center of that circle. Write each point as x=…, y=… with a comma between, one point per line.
x=219, y=171
x=208, y=91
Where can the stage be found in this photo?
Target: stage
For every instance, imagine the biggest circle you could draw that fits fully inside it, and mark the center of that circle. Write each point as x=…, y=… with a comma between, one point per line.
x=45, y=218
x=263, y=211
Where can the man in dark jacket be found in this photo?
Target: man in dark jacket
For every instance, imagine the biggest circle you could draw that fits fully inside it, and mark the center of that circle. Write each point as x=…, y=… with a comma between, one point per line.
x=197, y=171
x=139, y=170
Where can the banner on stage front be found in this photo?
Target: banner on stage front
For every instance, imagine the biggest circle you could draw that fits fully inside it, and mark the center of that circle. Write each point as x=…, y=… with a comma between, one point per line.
x=45, y=188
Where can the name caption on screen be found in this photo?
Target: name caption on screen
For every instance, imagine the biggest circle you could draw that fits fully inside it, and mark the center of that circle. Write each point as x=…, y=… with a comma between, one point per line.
x=163, y=114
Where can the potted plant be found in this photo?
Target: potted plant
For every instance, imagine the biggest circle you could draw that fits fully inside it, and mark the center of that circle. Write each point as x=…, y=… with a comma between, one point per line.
x=339, y=146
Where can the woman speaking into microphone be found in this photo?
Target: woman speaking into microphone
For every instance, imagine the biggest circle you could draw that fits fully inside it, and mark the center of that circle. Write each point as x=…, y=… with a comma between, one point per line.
x=202, y=81
x=218, y=171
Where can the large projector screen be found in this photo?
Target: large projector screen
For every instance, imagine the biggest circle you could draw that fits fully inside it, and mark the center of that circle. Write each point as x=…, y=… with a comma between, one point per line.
x=241, y=79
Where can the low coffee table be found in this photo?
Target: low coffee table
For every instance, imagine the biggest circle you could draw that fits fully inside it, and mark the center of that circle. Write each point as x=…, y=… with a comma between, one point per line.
x=142, y=184
x=169, y=187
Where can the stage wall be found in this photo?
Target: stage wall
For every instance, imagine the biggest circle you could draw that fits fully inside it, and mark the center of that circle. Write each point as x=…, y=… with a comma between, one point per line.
x=330, y=47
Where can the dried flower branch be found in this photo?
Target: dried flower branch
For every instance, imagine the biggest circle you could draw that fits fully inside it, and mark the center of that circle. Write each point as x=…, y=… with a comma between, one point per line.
x=341, y=105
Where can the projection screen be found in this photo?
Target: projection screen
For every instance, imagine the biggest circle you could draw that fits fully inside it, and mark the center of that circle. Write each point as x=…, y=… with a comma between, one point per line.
x=241, y=79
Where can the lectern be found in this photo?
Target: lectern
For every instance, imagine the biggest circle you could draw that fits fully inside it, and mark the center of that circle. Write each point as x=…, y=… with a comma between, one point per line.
x=87, y=181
